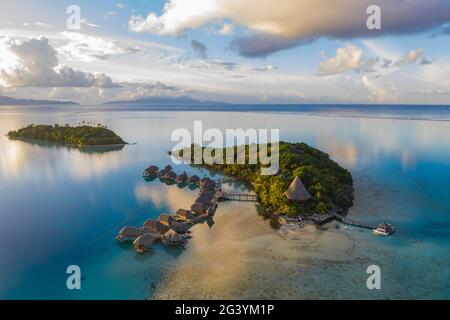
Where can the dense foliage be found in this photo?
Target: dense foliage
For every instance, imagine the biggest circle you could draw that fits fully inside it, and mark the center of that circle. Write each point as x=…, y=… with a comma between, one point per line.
x=328, y=183
x=80, y=136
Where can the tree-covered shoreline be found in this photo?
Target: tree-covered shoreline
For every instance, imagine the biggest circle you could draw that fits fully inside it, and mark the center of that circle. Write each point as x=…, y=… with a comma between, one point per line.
x=80, y=136
x=330, y=185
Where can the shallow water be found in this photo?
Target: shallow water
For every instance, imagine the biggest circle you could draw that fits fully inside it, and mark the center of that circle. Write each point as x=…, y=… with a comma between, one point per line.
x=61, y=206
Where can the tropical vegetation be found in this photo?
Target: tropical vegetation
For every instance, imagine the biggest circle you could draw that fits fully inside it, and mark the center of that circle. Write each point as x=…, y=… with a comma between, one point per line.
x=78, y=136
x=329, y=184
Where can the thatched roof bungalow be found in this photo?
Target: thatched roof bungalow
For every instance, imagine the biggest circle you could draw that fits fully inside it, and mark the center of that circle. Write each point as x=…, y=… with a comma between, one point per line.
x=297, y=191
x=170, y=175
x=155, y=226
x=179, y=227
x=206, y=197
x=129, y=233
x=194, y=179
x=182, y=177
x=172, y=238
x=166, y=219
x=200, y=207
x=207, y=184
x=183, y=214
x=151, y=171
x=145, y=242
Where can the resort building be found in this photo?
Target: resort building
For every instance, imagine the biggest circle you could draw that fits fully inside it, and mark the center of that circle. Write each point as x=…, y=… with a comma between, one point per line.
x=194, y=179
x=155, y=226
x=207, y=184
x=297, y=191
x=183, y=214
x=200, y=207
x=144, y=243
x=129, y=233
x=166, y=219
x=182, y=177
x=151, y=171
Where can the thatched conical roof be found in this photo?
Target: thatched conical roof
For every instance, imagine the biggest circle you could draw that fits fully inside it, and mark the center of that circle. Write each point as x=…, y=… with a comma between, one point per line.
x=297, y=191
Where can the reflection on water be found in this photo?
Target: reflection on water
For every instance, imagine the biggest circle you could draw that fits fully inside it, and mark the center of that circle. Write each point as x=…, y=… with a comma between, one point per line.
x=62, y=206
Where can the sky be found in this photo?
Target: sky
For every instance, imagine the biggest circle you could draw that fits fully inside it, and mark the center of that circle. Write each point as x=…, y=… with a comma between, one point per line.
x=236, y=51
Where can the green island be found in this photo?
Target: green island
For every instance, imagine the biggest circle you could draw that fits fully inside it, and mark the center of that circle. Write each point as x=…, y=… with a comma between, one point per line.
x=81, y=136
x=308, y=181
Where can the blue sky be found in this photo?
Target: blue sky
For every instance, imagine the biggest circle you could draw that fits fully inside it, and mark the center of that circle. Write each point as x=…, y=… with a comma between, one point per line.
x=246, y=51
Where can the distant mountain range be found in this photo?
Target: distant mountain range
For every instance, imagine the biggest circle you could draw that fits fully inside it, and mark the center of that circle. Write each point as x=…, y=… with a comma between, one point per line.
x=183, y=100
x=13, y=101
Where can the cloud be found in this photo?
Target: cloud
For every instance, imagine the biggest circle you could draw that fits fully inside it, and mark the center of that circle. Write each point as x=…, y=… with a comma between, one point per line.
x=199, y=48
x=348, y=58
x=86, y=48
x=121, y=5
x=262, y=45
x=380, y=91
x=86, y=23
x=415, y=56
x=133, y=91
x=38, y=66
x=226, y=30
x=294, y=22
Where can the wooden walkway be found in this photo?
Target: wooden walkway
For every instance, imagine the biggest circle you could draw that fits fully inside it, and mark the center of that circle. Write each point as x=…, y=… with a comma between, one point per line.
x=239, y=196
x=350, y=222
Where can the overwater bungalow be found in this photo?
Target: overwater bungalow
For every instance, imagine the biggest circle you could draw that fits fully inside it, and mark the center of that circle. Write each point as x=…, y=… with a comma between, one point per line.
x=200, y=207
x=170, y=175
x=162, y=172
x=166, y=219
x=151, y=171
x=206, y=196
x=207, y=184
x=172, y=238
x=144, y=243
x=180, y=227
x=129, y=233
x=182, y=177
x=297, y=191
x=183, y=214
x=193, y=179
x=155, y=226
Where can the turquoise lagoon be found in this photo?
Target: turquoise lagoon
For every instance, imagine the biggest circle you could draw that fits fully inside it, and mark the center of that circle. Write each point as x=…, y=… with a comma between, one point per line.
x=62, y=206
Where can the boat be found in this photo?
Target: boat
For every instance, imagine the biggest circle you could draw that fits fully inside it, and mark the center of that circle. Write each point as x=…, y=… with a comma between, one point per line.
x=384, y=229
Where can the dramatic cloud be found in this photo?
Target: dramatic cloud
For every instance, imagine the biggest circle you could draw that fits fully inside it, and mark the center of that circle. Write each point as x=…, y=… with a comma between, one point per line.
x=349, y=58
x=293, y=22
x=38, y=66
x=199, y=48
